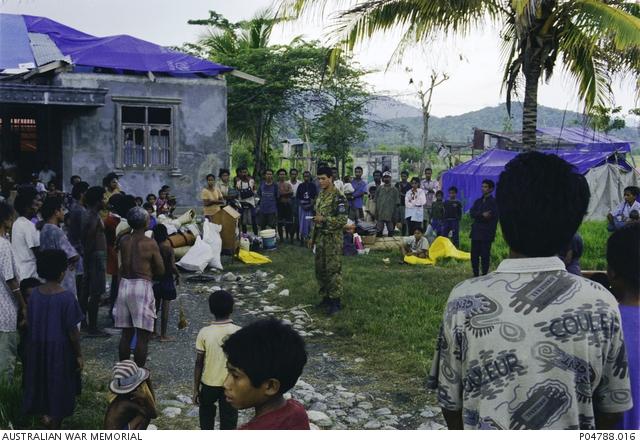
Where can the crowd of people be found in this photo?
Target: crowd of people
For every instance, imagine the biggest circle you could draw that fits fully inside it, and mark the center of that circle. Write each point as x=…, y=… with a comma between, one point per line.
x=532, y=345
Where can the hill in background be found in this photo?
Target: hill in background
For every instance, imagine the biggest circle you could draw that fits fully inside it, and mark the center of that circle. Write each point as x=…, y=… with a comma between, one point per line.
x=398, y=124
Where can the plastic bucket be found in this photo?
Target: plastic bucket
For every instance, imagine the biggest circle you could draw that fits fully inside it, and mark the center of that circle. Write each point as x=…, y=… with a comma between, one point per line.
x=268, y=239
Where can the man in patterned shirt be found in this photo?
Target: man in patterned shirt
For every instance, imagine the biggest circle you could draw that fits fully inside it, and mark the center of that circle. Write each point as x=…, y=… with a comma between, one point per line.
x=531, y=346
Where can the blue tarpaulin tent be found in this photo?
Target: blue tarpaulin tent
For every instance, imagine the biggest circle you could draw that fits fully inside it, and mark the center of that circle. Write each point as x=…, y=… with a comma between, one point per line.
x=597, y=166
x=19, y=34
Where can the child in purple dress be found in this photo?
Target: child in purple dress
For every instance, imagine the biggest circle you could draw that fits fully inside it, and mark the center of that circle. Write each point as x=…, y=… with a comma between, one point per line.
x=53, y=357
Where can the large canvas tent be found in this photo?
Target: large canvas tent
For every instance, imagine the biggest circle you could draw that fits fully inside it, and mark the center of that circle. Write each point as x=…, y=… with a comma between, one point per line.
x=607, y=173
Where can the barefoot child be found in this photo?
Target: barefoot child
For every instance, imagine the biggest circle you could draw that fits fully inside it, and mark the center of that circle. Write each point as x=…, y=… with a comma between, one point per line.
x=264, y=360
x=165, y=289
x=53, y=357
x=211, y=365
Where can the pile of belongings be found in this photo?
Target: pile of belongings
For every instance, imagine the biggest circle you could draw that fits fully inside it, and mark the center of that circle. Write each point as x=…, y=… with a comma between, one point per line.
x=205, y=251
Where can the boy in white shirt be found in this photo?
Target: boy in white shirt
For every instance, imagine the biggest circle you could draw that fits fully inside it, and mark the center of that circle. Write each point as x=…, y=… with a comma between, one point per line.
x=620, y=216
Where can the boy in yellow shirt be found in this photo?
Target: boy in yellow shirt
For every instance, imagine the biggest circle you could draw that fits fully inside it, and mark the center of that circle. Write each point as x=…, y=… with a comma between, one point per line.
x=211, y=365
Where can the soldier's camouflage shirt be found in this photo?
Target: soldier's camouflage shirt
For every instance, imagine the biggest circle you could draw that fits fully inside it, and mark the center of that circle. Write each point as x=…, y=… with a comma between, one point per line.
x=332, y=205
x=531, y=347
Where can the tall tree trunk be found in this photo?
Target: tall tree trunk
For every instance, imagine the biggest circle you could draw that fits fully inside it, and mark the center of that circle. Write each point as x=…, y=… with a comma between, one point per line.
x=530, y=106
x=425, y=131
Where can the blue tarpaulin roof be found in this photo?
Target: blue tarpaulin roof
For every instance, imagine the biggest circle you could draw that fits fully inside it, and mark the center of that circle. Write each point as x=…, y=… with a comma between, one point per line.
x=468, y=176
x=582, y=138
x=120, y=52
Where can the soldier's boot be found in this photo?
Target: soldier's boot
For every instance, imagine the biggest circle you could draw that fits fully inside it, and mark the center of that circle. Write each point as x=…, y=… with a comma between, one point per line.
x=334, y=306
x=325, y=302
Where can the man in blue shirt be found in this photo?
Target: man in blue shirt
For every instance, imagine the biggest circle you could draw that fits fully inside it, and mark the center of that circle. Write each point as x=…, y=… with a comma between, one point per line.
x=359, y=190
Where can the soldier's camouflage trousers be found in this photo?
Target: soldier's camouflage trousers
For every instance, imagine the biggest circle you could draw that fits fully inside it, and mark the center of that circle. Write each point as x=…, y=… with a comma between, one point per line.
x=329, y=265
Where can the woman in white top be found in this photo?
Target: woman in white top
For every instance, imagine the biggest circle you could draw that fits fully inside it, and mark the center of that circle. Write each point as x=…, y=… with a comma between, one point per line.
x=414, y=202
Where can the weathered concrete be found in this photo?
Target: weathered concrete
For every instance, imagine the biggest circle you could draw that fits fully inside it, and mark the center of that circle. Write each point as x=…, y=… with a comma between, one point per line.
x=89, y=137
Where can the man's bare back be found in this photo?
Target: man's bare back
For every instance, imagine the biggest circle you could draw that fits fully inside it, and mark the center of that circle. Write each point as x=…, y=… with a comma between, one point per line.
x=140, y=257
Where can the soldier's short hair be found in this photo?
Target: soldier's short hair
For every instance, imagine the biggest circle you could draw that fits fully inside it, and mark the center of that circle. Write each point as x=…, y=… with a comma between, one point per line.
x=325, y=171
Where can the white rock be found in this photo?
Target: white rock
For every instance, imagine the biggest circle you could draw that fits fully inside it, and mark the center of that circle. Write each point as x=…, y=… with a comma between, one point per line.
x=249, y=289
x=261, y=274
x=284, y=293
x=365, y=405
x=278, y=277
x=406, y=416
x=346, y=395
x=372, y=425
x=312, y=426
x=171, y=412
x=152, y=427
x=303, y=385
x=238, y=303
x=383, y=411
x=339, y=412
x=352, y=420
x=428, y=414
x=359, y=360
x=184, y=398
x=284, y=321
x=341, y=388
x=269, y=308
x=287, y=395
x=193, y=413
x=229, y=277
x=319, y=406
x=361, y=397
x=215, y=288
x=271, y=287
x=319, y=418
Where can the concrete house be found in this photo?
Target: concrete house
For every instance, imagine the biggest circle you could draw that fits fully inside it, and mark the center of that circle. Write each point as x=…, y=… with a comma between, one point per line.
x=91, y=105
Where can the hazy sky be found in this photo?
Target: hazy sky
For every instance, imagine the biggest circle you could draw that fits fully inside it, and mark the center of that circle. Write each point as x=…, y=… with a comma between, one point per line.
x=473, y=63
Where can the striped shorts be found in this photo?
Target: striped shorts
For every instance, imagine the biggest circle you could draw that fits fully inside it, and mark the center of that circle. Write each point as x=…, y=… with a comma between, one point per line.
x=135, y=306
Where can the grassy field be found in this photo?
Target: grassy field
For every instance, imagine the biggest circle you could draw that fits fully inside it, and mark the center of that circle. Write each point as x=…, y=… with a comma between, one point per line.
x=392, y=312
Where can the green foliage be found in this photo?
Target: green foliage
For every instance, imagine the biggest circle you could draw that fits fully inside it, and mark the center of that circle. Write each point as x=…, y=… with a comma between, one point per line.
x=341, y=108
x=605, y=119
x=253, y=109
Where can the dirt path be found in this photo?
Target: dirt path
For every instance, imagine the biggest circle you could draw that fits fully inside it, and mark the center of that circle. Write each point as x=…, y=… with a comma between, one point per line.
x=338, y=392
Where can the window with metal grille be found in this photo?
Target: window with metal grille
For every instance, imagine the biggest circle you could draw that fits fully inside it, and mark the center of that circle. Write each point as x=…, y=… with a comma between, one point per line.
x=146, y=133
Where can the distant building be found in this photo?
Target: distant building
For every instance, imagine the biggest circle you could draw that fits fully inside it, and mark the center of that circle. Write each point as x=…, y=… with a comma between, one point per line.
x=89, y=105
x=382, y=161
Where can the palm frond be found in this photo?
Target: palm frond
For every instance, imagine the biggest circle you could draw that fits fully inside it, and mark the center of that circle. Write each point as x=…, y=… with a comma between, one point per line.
x=600, y=19
x=416, y=19
x=582, y=59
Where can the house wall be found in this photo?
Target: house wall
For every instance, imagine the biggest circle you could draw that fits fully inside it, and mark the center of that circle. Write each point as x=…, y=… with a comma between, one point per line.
x=89, y=138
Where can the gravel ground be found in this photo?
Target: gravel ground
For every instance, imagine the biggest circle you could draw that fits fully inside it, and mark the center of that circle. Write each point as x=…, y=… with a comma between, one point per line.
x=337, y=392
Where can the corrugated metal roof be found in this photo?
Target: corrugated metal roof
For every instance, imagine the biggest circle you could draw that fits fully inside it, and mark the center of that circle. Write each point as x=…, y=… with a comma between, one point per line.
x=44, y=50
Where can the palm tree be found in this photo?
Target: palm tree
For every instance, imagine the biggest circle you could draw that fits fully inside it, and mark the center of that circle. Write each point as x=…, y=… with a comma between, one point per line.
x=585, y=35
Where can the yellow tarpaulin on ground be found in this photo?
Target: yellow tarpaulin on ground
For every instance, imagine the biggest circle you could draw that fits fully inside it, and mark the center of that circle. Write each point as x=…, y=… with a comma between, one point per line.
x=441, y=247
x=414, y=260
x=253, y=258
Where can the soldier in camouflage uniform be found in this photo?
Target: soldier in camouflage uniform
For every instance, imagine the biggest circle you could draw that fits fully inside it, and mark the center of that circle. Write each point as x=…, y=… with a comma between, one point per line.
x=330, y=219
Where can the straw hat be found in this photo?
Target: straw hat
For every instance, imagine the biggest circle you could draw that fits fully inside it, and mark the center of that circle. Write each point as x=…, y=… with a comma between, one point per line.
x=127, y=376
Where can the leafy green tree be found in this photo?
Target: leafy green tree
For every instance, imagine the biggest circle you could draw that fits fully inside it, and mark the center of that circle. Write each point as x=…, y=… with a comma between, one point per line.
x=583, y=35
x=605, y=119
x=253, y=109
x=340, y=122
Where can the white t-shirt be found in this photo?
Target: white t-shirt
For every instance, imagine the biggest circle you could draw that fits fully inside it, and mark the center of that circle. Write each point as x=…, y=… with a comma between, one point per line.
x=294, y=186
x=24, y=237
x=623, y=210
x=46, y=176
